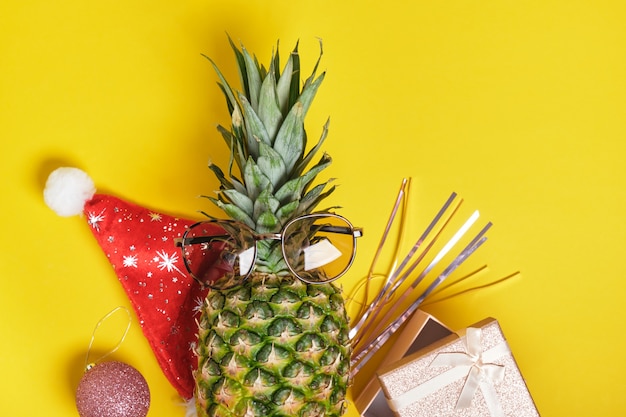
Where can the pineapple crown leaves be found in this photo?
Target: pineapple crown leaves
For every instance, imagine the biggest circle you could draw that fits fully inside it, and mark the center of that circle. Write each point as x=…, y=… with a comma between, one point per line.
x=267, y=140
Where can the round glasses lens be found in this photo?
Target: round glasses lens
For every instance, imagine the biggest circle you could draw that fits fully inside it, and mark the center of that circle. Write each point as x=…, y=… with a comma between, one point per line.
x=319, y=249
x=218, y=254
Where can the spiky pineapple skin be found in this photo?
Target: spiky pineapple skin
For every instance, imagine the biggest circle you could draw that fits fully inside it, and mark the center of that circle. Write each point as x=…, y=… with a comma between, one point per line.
x=273, y=346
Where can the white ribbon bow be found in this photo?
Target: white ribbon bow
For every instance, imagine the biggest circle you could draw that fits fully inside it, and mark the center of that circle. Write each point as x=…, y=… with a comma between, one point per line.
x=480, y=371
x=475, y=365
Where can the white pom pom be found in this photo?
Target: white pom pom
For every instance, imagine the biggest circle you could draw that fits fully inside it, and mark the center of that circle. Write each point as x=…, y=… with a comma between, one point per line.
x=67, y=190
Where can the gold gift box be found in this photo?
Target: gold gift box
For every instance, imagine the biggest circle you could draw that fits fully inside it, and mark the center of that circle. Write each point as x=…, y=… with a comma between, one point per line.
x=420, y=330
x=469, y=374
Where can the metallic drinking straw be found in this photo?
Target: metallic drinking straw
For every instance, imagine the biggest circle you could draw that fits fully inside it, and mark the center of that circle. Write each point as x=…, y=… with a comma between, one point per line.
x=360, y=359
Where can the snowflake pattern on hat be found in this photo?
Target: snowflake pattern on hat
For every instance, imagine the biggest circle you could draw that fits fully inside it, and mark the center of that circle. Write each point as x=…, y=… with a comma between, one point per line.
x=139, y=244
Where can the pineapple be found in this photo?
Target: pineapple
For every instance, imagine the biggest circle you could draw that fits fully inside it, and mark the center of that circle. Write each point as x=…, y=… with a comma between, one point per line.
x=272, y=345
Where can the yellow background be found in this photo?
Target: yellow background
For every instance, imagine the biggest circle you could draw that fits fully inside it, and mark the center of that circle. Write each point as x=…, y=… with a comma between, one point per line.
x=520, y=106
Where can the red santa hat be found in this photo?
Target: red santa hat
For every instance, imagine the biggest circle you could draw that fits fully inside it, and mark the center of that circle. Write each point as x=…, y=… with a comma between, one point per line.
x=139, y=243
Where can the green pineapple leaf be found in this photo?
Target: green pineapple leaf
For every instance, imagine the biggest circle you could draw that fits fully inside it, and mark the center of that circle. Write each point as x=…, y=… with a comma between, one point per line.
x=234, y=212
x=228, y=103
x=236, y=150
x=219, y=174
x=267, y=223
x=308, y=93
x=309, y=156
x=275, y=63
x=241, y=66
x=269, y=109
x=224, y=86
x=294, y=188
x=283, y=86
x=287, y=212
x=272, y=165
x=270, y=257
x=254, y=179
x=312, y=198
x=319, y=59
x=294, y=88
x=254, y=128
x=265, y=203
x=240, y=200
x=253, y=72
x=291, y=139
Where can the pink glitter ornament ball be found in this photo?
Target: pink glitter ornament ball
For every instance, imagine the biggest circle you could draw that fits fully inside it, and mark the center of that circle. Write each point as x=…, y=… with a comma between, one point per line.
x=113, y=389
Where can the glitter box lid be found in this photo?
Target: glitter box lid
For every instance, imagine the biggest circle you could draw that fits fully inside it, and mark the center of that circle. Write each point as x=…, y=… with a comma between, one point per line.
x=416, y=386
x=421, y=330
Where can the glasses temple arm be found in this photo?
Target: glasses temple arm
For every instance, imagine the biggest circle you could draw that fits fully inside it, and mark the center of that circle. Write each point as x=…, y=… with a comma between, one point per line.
x=197, y=240
x=356, y=231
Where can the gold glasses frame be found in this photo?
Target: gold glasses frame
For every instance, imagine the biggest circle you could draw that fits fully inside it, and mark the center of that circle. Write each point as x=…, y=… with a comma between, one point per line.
x=244, y=229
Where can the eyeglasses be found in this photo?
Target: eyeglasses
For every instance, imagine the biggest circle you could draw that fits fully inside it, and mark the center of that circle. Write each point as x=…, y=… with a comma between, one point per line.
x=317, y=248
